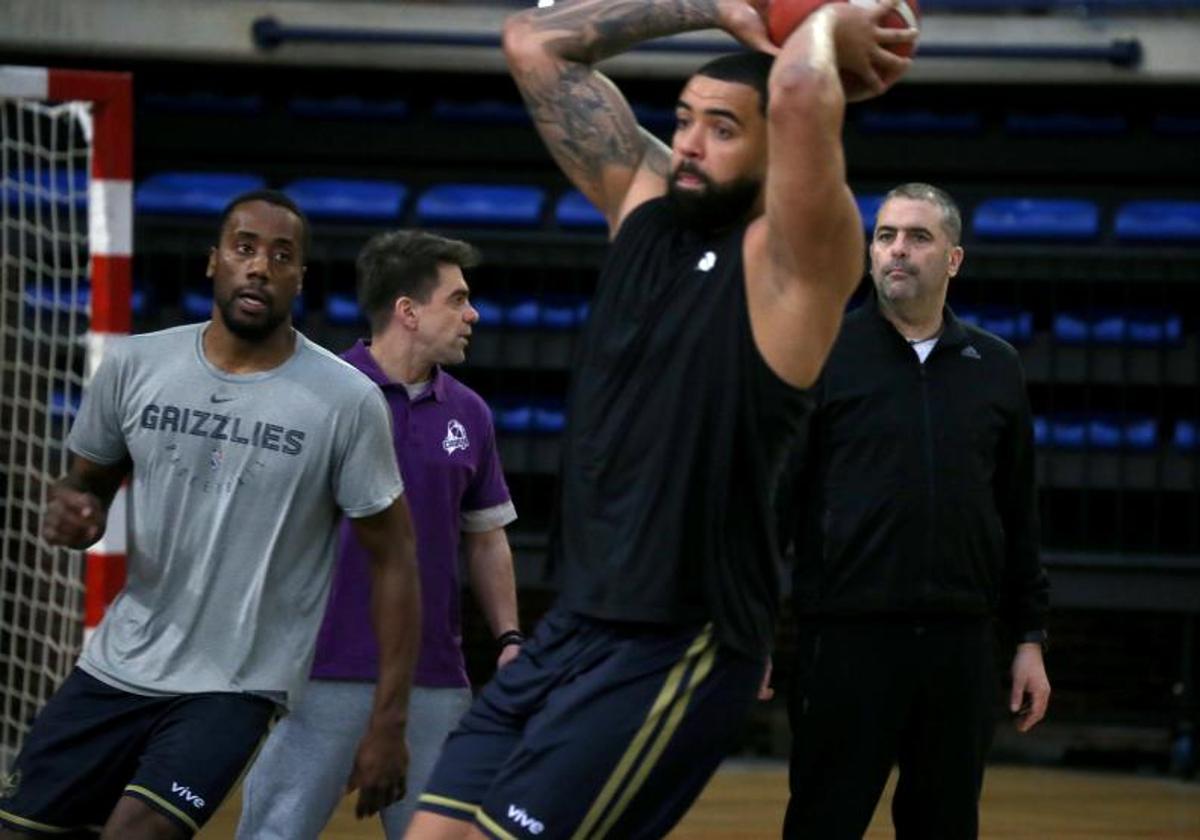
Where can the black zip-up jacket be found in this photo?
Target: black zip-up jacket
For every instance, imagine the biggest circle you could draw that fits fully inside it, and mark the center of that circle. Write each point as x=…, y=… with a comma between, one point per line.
x=915, y=490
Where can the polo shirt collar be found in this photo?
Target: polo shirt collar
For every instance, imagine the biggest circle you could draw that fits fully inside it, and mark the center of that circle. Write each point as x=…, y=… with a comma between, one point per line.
x=360, y=356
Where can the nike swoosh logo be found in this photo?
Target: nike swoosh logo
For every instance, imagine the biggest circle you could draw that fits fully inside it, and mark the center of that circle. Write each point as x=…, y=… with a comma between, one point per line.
x=214, y=398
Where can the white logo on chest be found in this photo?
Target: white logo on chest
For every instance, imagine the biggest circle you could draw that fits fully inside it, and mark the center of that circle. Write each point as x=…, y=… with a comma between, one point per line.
x=707, y=261
x=456, y=437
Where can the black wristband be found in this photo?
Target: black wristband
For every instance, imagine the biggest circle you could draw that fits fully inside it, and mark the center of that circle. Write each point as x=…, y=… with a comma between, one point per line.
x=509, y=637
x=1039, y=637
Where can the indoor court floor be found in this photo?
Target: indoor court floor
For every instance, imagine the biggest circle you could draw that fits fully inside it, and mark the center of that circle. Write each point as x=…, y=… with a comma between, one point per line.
x=745, y=801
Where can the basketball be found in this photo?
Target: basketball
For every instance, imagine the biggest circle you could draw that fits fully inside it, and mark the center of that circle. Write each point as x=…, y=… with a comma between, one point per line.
x=783, y=16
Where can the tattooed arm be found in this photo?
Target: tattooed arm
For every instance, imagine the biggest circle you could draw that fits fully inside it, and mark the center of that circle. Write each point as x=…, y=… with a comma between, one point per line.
x=584, y=120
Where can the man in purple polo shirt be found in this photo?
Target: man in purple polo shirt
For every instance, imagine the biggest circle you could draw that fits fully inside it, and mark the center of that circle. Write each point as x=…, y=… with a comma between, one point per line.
x=411, y=287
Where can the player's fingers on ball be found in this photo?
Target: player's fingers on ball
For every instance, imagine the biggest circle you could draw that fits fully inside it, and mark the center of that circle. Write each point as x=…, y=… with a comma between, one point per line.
x=872, y=81
x=888, y=60
x=890, y=35
x=883, y=8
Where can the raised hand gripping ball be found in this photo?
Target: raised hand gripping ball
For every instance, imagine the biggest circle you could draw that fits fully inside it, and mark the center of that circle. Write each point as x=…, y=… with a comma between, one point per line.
x=783, y=16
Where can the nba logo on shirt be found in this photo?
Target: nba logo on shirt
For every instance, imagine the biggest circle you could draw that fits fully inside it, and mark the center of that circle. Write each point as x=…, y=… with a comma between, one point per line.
x=456, y=437
x=215, y=458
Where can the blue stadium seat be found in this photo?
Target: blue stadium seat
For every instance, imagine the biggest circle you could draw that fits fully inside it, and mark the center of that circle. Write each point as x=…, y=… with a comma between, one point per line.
x=481, y=112
x=1037, y=218
x=1186, y=436
x=1100, y=432
x=192, y=193
x=481, y=204
x=522, y=314
x=1177, y=125
x=1158, y=221
x=1153, y=330
x=203, y=102
x=1108, y=329
x=196, y=305
x=1138, y=328
x=559, y=312
x=1041, y=431
x=549, y=418
x=348, y=108
x=512, y=417
x=491, y=313
x=1070, y=328
x=1141, y=434
x=40, y=297
x=66, y=187
x=342, y=310
x=920, y=122
x=1068, y=432
x=64, y=407
x=1012, y=324
x=1065, y=124
x=349, y=200
x=1105, y=434
x=868, y=208
x=574, y=210
x=141, y=301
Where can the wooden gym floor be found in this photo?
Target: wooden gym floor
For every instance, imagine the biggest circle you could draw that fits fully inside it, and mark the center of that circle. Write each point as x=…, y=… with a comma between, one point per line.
x=745, y=801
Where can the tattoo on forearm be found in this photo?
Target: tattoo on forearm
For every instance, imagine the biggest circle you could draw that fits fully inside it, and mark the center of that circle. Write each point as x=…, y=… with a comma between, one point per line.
x=584, y=121
x=600, y=28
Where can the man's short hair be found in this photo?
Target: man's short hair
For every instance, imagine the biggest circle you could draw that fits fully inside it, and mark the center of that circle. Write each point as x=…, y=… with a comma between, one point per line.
x=951, y=217
x=404, y=263
x=279, y=200
x=747, y=68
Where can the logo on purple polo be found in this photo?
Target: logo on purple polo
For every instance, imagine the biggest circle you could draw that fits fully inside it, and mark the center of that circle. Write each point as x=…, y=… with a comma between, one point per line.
x=456, y=437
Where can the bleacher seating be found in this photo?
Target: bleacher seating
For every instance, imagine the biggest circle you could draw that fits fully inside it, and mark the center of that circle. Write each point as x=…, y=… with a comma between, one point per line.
x=511, y=205
x=1059, y=219
x=343, y=199
x=192, y=193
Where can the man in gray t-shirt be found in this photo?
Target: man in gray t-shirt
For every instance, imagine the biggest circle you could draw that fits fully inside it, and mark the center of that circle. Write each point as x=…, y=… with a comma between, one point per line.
x=242, y=442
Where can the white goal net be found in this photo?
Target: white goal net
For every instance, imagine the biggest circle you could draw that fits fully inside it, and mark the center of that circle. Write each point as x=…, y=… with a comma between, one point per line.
x=44, y=320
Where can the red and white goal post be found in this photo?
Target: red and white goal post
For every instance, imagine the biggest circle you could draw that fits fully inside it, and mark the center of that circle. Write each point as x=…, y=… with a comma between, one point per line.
x=66, y=153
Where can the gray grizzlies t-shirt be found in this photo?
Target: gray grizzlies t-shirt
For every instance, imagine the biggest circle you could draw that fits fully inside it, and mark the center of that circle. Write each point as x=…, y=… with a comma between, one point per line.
x=237, y=482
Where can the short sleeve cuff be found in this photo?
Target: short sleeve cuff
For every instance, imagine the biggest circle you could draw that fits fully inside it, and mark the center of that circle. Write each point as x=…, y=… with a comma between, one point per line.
x=376, y=506
x=488, y=519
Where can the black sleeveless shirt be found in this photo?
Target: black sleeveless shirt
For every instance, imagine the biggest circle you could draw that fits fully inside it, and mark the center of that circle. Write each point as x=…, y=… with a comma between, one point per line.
x=675, y=442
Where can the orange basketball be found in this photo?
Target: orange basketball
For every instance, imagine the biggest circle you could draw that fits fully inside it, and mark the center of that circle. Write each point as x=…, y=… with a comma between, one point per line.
x=785, y=15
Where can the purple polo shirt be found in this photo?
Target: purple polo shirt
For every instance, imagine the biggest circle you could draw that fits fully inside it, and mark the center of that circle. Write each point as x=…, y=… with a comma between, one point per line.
x=446, y=447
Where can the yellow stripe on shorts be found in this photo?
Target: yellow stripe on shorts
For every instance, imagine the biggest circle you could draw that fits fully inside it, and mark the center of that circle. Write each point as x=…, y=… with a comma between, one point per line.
x=446, y=802
x=154, y=797
x=37, y=826
x=669, y=703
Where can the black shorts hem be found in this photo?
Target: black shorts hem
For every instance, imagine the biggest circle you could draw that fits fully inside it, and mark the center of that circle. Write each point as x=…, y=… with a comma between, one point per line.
x=162, y=806
x=447, y=806
x=33, y=828
x=491, y=827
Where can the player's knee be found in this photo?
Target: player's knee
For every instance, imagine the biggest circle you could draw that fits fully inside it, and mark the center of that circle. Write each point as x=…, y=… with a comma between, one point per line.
x=133, y=819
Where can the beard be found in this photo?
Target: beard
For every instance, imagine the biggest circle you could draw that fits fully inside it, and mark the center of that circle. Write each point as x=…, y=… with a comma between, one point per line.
x=907, y=290
x=716, y=206
x=248, y=330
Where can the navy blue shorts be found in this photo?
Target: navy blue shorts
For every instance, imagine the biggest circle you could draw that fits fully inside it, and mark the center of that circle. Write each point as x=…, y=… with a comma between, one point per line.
x=93, y=744
x=597, y=729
